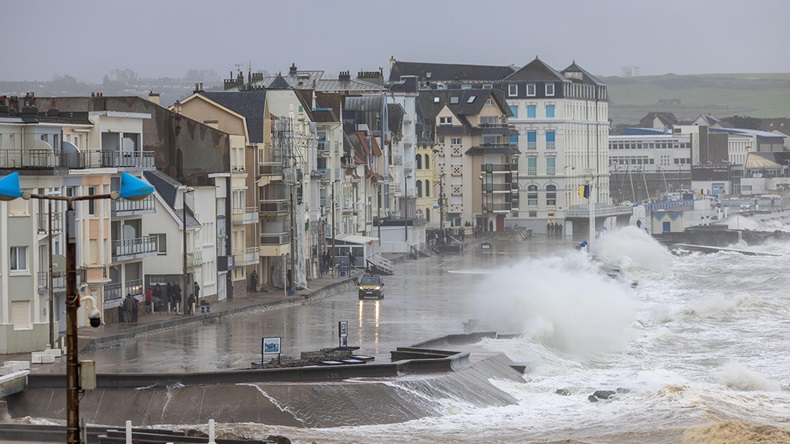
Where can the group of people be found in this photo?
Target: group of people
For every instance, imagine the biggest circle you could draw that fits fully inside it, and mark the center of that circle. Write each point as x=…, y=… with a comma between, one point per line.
x=553, y=228
x=441, y=236
x=326, y=262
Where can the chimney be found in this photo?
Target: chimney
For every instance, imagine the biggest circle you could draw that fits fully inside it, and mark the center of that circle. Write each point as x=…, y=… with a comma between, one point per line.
x=198, y=88
x=344, y=76
x=292, y=71
x=153, y=98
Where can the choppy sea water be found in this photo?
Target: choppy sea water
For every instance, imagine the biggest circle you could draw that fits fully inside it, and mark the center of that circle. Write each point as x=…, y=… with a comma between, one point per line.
x=699, y=351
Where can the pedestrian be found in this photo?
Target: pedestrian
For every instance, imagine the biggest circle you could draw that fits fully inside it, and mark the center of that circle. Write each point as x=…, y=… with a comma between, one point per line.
x=352, y=260
x=196, y=289
x=128, y=308
x=121, y=313
x=477, y=231
x=559, y=230
x=548, y=227
x=176, y=296
x=135, y=309
x=191, y=303
x=170, y=296
x=254, y=281
x=149, y=294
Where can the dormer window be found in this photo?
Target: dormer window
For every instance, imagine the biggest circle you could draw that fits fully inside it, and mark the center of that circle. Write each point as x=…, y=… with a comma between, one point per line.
x=512, y=90
x=549, y=89
x=445, y=120
x=454, y=99
x=471, y=99
x=531, y=90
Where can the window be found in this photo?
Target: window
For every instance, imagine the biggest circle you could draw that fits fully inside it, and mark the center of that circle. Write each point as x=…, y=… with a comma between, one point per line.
x=419, y=188
x=161, y=243
x=91, y=203
x=549, y=89
x=551, y=195
x=455, y=140
x=418, y=159
x=436, y=99
x=445, y=120
x=512, y=90
x=531, y=90
x=532, y=166
x=454, y=99
x=441, y=139
x=489, y=102
x=531, y=111
x=532, y=140
x=488, y=86
x=532, y=195
x=514, y=110
x=550, y=166
x=427, y=186
x=427, y=162
x=550, y=145
x=550, y=111
x=18, y=259
x=488, y=120
x=466, y=86
x=514, y=139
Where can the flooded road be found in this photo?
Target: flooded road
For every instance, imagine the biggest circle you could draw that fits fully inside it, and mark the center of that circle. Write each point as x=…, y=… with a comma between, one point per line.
x=426, y=298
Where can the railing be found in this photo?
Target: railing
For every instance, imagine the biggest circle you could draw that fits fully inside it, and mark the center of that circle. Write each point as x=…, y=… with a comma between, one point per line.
x=498, y=145
x=579, y=211
x=495, y=167
x=195, y=259
x=43, y=222
x=498, y=187
x=532, y=171
x=248, y=256
x=497, y=207
x=124, y=248
x=47, y=158
x=115, y=291
x=550, y=145
x=270, y=168
x=532, y=145
x=275, y=238
x=550, y=171
x=247, y=215
x=274, y=205
x=58, y=280
x=121, y=206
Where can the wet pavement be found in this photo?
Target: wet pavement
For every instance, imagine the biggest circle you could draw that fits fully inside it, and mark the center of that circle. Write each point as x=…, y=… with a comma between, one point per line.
x=427, y=298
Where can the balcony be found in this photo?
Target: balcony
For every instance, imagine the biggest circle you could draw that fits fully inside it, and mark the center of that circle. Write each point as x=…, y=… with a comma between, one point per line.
x=498, y=207
x=271, y=207
x=323, y=148
x=532, y=171
x=270, y=168
x=532, y=145
x=116, y=291
x=497, y=187
x=550, y=171
x=244, y=216
x=273, y=239
x=123, y=207
x=248, y=256
x=128, y=249
x=550, y=145
x=194, y=259
x=47, y=158
x=58, y=281
x=43, y=222
x=495, y=168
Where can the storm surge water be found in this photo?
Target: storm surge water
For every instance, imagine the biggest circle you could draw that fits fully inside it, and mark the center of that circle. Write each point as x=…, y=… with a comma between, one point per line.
x=695, y=353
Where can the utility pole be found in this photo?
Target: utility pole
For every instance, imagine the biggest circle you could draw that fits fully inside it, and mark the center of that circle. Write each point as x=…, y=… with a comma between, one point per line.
x=49, y=285
x=293, y=239
x=333, y=230
x=441, y=201
x=378, y=204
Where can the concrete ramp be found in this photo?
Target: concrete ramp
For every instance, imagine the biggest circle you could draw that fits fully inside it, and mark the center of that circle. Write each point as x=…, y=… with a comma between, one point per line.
x=357, y=401
x=708, y=249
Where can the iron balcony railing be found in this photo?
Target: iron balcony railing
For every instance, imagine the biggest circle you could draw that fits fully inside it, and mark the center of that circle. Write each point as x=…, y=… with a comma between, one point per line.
x=43, y=222
x=550, y=145
x=115, y=291
x=496, y=168
x=58, y=281
x=123, y=207
x=492, y=187
x=532, y=145
x=270, y=168
x=47, y=158
x=195, y=259
x=247, y=215
x=247, y=256
x=131, y=248
x=274, y=205
x=275, y=238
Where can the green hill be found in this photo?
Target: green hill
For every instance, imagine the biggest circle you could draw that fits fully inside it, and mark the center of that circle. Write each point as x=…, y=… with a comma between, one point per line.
x=688, y=96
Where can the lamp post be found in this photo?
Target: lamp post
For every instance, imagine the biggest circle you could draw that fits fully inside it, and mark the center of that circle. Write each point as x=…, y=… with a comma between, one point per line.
x=184, y=279
x=132, y=188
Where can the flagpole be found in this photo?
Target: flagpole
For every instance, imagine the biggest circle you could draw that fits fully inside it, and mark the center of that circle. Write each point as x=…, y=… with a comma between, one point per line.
x=591, y=212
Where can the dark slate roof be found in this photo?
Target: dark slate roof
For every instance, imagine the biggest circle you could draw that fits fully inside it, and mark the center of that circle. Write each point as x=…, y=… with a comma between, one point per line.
x=464, y=107
x=536, y=70
x=249, y=104
x=448, y=72
x=279, y=83
x=668, y=119
x=587, y=78
x=167, y=187
x=498, y=150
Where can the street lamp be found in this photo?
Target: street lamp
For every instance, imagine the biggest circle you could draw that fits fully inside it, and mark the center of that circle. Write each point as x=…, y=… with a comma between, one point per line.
x=184, y=279
x=132, y=188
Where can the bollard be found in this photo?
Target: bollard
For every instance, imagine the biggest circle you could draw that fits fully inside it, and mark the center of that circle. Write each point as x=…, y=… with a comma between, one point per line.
x=128, y=432
x=211, y=432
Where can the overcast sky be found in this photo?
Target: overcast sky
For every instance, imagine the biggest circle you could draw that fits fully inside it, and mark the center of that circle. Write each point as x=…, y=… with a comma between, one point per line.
x=164, y=38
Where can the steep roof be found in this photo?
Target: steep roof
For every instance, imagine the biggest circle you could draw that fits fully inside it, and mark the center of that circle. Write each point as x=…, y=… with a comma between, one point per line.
x=448, y=72
x=536, y=70
x=586, y=77
x=668, y=119
x=462, y=102
x=279, y=83
x=249, y=104
x=167, y=188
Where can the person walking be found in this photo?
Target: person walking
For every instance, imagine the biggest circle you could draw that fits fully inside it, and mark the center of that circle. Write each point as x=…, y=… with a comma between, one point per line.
x=352, y=261
x=149, y=294
x=135, y=309
x=196, y=290
x=254, y=281
x=176, y=296
x=191, y=304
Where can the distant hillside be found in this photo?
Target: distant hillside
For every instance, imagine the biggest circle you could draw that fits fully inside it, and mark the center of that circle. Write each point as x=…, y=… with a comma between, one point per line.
x=688, y=96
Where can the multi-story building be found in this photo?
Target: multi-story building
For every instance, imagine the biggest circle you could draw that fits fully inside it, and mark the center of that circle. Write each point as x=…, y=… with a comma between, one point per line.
x=70, y=154
x=477, y=157
x=563, y=128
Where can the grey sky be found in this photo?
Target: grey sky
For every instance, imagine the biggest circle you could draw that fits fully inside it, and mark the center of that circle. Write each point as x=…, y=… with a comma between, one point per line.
x=165, y=38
